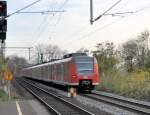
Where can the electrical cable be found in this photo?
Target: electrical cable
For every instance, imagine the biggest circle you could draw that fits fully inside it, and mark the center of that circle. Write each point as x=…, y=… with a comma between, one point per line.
x=92, y=32
x=107, y=10
x=40, y=12
x=40, y=27
x=59, y=18
x=46, y=24
x=101, y=28
x=33, y=3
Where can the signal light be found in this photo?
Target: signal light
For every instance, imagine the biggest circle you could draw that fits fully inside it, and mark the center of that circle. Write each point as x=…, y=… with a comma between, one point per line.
x=73, y=76
x=2, y=36
x=3, y=25
x=3, y=8
x=3, y=21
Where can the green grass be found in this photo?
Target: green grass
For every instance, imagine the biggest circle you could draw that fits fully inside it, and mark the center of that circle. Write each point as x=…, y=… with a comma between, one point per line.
x=3, y=96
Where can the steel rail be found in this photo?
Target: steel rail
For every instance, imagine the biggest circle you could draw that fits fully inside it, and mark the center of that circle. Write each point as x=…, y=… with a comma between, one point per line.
x=69, y=104
x=51, y=109
x=122, y=103
x=128, y=100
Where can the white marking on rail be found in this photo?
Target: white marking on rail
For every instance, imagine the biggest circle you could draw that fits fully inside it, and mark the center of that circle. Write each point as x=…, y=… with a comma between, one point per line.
x=18, y=108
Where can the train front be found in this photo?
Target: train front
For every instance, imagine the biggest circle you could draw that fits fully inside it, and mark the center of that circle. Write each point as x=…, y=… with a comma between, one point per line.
x=85, y=72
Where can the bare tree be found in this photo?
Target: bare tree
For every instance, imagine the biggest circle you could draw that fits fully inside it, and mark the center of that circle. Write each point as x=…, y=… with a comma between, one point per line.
x=135, y=51
x=83, y=50
x=129, y=53
x=143, y=48
x=48, y=52
x=15, y=64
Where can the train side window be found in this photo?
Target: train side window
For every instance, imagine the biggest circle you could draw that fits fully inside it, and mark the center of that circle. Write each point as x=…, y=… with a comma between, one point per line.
x=62, y=72
x=44, y=72
x=51, y=71
x=41, y=71
x=68, y=66
x=33, y=72
x=38, y=72
x=59, y=71
x=48, y=71
x=65, y=71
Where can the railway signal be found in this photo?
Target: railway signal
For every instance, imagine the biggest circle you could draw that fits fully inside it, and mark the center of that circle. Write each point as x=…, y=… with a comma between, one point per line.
x=3, y=21
x=2, y=36
x=3, y=25
x=3, y=8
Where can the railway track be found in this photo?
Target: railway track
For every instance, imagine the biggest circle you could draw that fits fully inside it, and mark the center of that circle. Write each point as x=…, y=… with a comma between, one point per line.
x=55, y=104
x=131, y=105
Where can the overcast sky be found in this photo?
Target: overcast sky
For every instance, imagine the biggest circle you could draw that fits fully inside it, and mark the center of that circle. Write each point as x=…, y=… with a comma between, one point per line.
x=71, y=30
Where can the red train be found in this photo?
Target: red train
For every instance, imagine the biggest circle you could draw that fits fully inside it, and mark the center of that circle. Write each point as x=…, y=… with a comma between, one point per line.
x=75, y=70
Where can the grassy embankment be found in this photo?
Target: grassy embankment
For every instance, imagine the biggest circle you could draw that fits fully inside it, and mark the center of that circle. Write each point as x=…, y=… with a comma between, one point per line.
x=134, y=85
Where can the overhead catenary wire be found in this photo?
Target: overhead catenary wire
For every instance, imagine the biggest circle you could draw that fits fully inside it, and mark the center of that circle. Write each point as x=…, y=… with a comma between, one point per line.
x=33, y=3
x=46, y=22
x=27, y=6
x=41, y=26
x=59, y=18
x=107, y=25
x=41, y=12
x=92, y=32
x=119, y=14
x=111, y=24
x=106, y=11
x=84, y=28
x=60, y=14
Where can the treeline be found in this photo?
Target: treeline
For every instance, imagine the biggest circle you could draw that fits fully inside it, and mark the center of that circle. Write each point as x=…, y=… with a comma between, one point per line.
x=45, y=53
x=13, y=64
x=125, y=70
x=131, y=56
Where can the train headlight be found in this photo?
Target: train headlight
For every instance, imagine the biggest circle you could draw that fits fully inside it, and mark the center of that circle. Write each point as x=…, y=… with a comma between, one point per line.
x=74, y=76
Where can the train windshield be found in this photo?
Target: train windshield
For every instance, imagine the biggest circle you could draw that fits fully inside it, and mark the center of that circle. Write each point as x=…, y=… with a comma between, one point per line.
x=85, y=65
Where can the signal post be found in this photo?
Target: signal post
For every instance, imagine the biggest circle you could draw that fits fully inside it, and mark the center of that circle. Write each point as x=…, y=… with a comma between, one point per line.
x=3, y=29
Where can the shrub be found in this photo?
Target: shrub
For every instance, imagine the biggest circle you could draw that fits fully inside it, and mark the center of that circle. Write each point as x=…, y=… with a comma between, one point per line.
x=134, y=85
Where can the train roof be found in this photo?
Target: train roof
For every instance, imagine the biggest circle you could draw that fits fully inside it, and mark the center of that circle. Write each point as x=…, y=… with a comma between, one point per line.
x=49, y=63
x=66, y=58
x=74, y=55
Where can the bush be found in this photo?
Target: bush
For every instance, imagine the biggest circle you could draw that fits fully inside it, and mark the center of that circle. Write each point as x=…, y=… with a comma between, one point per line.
x=134, y=85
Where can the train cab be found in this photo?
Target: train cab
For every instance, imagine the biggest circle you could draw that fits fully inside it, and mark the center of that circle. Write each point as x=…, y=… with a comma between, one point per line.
x=84, y=72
